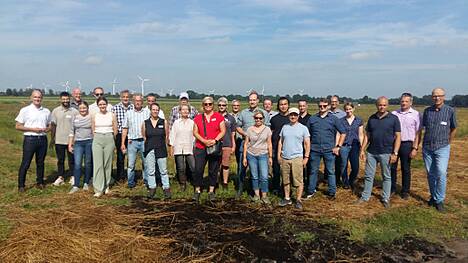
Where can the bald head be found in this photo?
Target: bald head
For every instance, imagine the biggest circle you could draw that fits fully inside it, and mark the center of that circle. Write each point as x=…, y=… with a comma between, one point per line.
x=438, y=91
x=381, y=104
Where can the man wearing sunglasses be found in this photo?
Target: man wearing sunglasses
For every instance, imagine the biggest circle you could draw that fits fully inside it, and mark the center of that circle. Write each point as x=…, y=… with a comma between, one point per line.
x=325, y=143
x=97, y=93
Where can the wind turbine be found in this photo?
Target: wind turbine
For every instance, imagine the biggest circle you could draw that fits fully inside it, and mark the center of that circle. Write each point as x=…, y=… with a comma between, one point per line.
x=212, y=91
x=45, y=86
x=113, y=85
x=30, y=86
x=79, y=84
x=263, y=90
x=170, y=92
x=248, y=92
x=66, y=85
x=301, y=92
x=142, y=84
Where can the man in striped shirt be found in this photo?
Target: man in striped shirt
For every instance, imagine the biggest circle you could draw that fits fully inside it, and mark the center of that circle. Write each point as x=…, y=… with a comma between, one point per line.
x=120, y=109
x=131, y=127
x=440, y=124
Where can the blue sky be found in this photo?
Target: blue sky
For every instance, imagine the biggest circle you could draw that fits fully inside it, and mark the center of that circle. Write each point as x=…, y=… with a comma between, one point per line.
x=350, y=47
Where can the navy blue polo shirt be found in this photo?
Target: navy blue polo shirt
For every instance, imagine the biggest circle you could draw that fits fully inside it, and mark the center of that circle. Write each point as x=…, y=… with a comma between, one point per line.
x=323, y=132
x=381, y=133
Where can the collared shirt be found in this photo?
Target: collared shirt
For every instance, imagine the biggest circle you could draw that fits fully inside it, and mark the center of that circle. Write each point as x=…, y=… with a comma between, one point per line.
x=323, y=132
x=438, y=124
x=133, y=121
x=246, y=119
x=352, y=130
x=293, y=137
x=33, y=117
x=93, y=108
x=230, y=128
x=339, y=113
x=175, y=114
x=81, y=127
x=272, y=113
x=119, y=110
x=74, y=104
x=382, y=133
x=276, y=124
x=409, y=121
x=304, y=120
x=62, y=118
x=181, y=136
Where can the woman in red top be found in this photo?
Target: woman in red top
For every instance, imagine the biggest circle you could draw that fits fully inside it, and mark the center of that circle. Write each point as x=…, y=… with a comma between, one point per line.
x=208, y=130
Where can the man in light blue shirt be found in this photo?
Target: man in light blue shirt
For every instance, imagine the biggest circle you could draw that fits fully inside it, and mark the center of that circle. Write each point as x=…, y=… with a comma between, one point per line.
x=294, y=139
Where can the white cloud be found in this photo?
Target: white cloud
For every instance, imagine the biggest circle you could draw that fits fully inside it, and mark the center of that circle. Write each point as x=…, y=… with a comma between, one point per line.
x=364, y=55
x=219, y=40
x=295, y=6
x=93, y=60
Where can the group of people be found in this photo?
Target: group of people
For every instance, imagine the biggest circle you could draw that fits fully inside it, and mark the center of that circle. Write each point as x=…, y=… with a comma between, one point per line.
x=286, y=145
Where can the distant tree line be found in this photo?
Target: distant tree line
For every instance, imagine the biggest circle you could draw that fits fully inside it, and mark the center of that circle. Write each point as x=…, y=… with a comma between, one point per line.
x=457, y=100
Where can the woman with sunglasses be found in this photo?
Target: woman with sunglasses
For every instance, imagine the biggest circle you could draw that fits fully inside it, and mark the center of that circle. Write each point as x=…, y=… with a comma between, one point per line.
x=229, y=142
x=258, y=154
x=209, y=129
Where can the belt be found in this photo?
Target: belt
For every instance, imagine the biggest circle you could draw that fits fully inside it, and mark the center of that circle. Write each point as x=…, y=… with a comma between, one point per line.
x=407, y=141
x=138, y=140
x=35, y=136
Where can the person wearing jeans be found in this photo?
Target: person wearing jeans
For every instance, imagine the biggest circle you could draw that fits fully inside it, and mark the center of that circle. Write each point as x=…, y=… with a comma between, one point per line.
x=258, y=156
x=34, y=121
x=440, y=125
x=351, y=146
x=383, y=142
x=80, y=143
x=323, y=129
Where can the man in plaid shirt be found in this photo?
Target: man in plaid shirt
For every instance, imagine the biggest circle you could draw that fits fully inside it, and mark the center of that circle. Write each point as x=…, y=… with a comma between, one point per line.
x=120, y=110
x=183, y=100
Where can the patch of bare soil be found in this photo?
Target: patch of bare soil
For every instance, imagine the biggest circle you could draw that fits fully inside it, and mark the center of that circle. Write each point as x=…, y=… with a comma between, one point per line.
x=242, y=233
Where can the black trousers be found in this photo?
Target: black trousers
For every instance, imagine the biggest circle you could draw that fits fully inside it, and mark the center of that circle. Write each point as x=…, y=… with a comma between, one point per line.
x=404, y=156
x=185, y=165
x=61, y=150
x=201, y=158
x=120, y=162
x=33, y=146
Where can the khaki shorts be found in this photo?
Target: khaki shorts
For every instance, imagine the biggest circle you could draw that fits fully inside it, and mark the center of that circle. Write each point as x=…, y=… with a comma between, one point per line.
x=292, y=168
x=226, y=159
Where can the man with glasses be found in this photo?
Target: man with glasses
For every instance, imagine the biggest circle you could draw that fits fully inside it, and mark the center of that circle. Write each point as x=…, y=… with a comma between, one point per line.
x=246, y=120
x=410, y=135
x=276, y=124
x=120, y=109
x=440, y=125
x=323, y=128
x=229, y=143
x=97, y=93
x=175, y=113
x=383, y=143
x=294, y=138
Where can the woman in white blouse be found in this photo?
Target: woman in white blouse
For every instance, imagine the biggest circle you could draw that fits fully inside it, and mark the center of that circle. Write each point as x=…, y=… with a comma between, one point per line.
x=181, y=145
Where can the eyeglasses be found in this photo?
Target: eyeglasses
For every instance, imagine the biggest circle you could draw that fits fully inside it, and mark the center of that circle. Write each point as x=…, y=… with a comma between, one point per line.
x=98, y=94
x=208, y=104
x=323, y=106
x=222, y=105
x=258, y=118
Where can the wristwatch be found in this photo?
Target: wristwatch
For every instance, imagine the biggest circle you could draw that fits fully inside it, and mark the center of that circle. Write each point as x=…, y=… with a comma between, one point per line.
x=395, y=153
x=338, y=146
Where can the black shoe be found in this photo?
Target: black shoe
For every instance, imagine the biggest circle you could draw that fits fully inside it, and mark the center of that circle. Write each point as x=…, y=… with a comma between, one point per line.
x=167, y=193
x=196, y=197
x=405, y=196
x=151, y=193
x=346, y=186
x=21, y=190
x=40, y=186
x=211, y=196
x=440, y=207
x=431, y=202
x=386, y=204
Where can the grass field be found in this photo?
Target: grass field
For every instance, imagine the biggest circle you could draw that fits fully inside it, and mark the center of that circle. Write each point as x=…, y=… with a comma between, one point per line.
x=51, y=226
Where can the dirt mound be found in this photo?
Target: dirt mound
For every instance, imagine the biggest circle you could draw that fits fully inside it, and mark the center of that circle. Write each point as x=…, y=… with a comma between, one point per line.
x=239, y=232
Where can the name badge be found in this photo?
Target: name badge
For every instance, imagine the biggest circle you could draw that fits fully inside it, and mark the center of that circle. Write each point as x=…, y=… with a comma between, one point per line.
x=68, y=116
x=443, y=123
x=160, y=126
x=213, y=119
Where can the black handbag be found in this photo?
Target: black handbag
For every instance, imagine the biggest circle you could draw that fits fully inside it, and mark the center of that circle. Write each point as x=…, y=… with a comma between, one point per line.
x=214, y=150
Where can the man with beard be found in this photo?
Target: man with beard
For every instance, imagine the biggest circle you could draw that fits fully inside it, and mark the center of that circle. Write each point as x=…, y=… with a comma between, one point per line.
x=60, y=129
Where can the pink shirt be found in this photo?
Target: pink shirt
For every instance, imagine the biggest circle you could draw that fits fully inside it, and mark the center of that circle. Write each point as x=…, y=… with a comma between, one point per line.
x=410, y=123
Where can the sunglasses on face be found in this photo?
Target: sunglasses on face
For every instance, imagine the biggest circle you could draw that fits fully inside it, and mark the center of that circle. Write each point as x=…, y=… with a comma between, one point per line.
x=208, y=104
x=258, y=118
x=323, y=106
x=98, y=94
x=222, y=105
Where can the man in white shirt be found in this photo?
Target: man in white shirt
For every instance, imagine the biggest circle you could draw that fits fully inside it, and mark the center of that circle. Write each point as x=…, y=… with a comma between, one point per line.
x=34, y=122
x=93, y=108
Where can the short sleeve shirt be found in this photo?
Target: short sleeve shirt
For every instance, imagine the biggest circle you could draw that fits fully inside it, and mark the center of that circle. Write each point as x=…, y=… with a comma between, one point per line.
x=276, y=124
x=258, y=142
x=212, y=127
x=438, y=124
x=230, y=128
x=382, y=133
x=293, y=137
x=246, y=120
x=323, y=132
x=352, y=130
x=62, y=118
x=33, y=117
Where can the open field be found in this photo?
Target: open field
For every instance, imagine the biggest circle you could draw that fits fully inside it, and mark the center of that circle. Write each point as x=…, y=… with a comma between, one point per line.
x=53, y=226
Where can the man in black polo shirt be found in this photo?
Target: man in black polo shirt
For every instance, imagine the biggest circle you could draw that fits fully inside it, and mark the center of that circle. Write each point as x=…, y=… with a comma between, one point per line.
x=440, y=125
x=383, y=143
x=276, y=124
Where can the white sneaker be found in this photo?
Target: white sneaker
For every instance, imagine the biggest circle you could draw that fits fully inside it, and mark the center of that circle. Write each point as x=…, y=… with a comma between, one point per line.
x=59, y=181
x=74, y=190
x=98, y=194
x=72, y=180
x=85, y=187
x=107, y=191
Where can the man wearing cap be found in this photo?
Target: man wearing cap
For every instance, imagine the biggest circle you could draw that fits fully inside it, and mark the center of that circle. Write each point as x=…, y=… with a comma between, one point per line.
x=294, y=138
x=175, y=114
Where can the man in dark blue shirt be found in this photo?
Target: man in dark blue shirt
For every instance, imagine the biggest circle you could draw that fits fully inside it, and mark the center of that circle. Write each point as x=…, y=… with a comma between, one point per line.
x=323, y=128
x=383, y=142
x=440, y=125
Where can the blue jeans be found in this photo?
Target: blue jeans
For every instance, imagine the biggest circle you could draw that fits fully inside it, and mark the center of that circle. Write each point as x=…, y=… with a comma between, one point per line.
x=133, y=148
x=329, y=161
x=371, y=165
x=258, y=166
x=79, y=149
x=241, y=169
x=351, y=153
x=150, y=163
x=436, y=163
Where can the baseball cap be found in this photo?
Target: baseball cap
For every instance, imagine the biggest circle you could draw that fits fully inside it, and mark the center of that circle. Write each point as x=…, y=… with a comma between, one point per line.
x=293, y=110
x=183, y=95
